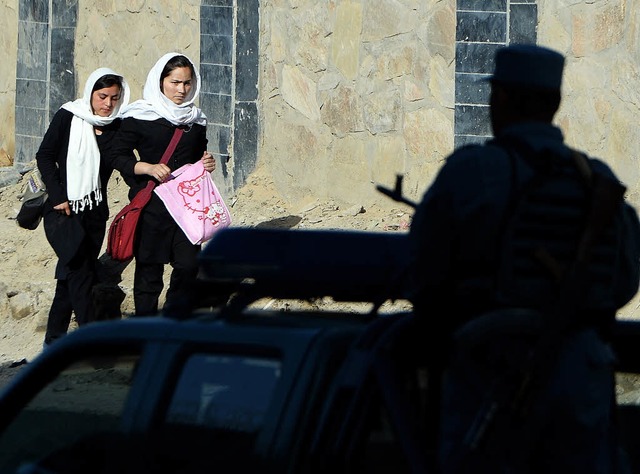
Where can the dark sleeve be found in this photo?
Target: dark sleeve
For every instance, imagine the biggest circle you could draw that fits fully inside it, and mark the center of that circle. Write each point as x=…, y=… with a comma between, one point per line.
x=202, y=142
x=121, y=156
x=191, y=147
x=51, y=156
x=431, y=238
x=105, y=144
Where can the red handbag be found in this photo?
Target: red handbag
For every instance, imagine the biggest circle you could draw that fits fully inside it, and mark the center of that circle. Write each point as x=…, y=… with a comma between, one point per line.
x=122, y=231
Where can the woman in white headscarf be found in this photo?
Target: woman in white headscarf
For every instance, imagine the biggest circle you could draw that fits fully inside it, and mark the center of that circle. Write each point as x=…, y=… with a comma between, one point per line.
x=169, y=95
x=75, y=173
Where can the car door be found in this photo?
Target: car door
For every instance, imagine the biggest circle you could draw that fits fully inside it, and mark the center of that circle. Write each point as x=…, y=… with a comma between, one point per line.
x=157, y=397
x=375, y=414
x=64, y=399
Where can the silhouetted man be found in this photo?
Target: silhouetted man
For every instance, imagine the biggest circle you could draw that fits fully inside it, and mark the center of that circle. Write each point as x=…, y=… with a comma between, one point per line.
x=492, y=242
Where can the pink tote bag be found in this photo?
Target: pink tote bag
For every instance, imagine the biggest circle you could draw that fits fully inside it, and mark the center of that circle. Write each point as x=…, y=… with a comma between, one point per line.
x=193, y=200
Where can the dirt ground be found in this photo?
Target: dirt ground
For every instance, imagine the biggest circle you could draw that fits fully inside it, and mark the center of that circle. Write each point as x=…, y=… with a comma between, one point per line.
x=27, y=262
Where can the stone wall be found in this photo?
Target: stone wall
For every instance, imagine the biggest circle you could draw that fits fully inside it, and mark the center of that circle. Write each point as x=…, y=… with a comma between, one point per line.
x=8, y=43
x=350, y=93
x=601, y=104
x=355, y=92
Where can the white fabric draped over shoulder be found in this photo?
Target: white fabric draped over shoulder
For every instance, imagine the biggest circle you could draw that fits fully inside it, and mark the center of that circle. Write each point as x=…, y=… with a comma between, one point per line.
x=155, y=104
x=83, y=155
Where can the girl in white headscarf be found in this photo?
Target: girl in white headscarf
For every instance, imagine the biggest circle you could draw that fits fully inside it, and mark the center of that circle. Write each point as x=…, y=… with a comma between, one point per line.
x=75, y=173
x=169, y=96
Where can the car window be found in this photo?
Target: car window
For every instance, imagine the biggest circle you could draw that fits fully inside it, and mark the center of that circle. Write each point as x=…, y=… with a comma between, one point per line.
x=215, y=413
x=85, y=399
x=224, y=392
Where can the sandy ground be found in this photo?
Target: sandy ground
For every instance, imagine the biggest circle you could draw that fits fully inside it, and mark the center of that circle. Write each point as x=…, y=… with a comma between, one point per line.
x=27, y=262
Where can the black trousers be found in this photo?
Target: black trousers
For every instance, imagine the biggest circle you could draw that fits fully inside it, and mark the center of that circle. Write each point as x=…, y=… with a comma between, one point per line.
x=77, y=241
x=148, y=280
x=73, y=295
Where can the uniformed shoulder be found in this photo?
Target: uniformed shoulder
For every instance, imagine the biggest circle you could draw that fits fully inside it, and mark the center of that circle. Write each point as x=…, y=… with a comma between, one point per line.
x=467, y=150
x=476, y=155
x=599, y=166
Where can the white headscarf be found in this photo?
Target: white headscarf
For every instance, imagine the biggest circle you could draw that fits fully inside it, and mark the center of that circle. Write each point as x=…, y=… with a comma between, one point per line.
x=83, y=155
x=154, y=104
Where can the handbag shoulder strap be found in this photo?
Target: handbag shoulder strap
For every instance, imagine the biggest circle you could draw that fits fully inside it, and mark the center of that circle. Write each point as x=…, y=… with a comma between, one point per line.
x=177, y=133
x=172, y=145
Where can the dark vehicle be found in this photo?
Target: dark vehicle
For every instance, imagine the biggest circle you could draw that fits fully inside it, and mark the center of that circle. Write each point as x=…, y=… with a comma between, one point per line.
x=233, y=386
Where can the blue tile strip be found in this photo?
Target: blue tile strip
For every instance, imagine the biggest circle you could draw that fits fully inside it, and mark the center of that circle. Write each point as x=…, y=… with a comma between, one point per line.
x=229, y=93
x=45, y=73
x=482, y=26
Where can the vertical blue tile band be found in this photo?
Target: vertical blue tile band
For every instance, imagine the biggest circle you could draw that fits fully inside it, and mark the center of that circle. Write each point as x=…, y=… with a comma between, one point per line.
x=471, y=89
x=245, y=142
x=34, y=10
x=476, y=58
x=247, y=44
x=216, y=20
x=482, y=5
x=481, y=28
x=217, y=3
x=229, y=68
x=523, y=23
x=217, y=107
x=45, y=76
x=62, y=76
x=218, y=78
x=221, y=135
x=33, y=43
x=218, y=48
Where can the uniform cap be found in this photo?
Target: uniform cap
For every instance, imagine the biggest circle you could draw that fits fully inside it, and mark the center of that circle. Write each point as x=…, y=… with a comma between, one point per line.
x=528, y=65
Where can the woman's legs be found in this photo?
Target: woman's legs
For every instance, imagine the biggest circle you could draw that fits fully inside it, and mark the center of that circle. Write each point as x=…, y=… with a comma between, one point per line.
x=147, y=286
x=80, y=281
x=148, y=280
x=74, y=289
x=181, y=293
x=59, y=313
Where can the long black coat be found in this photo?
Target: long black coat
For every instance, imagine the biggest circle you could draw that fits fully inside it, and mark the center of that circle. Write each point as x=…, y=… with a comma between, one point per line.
x=150, y=139
x=66, y=233
x=52, y=158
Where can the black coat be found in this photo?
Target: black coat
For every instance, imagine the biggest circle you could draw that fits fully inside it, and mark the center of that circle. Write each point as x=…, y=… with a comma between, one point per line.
x=67, y=234
x=52, y=158
x=150, y=139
